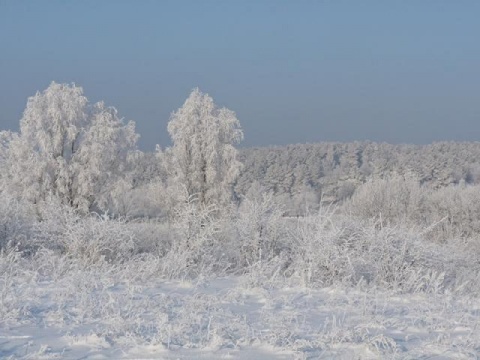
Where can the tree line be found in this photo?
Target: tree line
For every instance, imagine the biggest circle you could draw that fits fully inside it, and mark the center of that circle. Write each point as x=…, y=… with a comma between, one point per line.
x=86, y=155
x=307, y=174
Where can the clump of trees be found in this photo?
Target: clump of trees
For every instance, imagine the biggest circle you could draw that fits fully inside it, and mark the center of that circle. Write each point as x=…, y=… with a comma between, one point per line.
x=85, y=155
x=67, y=148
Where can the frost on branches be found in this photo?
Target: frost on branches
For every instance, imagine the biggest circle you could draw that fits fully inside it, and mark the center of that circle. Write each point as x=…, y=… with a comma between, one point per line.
x=68, y=148
x=203, y=159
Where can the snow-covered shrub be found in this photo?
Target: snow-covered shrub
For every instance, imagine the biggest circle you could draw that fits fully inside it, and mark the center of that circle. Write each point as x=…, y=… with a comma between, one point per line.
x=9, y=257
x=328, y=249
x=443, y=214
x=316, y=250
x=454, y=211
x=196, y=247
x=16, y=219
x=91, y=238
x=393, y=199
x=18, y=293
x=260, y=228
x=151, y=236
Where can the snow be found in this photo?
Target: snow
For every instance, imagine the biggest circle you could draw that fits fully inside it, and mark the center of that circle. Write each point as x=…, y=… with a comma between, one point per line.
x=93, y=315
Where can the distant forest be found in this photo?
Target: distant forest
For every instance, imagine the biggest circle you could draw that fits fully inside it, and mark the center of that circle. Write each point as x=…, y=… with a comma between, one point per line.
x=330, y=172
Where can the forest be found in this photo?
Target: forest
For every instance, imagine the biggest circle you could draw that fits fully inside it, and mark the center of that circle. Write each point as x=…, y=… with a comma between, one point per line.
x=204, y=249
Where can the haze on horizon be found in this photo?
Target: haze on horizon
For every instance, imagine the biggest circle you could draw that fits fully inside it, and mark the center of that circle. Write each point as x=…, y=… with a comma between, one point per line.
x=294, y=72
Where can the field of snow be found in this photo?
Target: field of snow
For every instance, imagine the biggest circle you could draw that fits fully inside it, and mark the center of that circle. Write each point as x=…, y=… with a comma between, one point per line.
x=55, y=308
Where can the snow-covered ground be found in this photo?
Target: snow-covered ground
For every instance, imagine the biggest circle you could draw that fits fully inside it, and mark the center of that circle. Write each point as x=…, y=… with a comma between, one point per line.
x=101, y=312
x=318, y=287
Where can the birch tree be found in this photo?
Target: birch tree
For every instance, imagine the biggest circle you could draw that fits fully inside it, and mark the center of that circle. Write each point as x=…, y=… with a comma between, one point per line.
x=68, y=148
x=203, y=158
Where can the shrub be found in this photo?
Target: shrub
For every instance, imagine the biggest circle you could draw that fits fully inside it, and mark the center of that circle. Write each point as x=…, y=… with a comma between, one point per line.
x=90, y=238
x=16, y=220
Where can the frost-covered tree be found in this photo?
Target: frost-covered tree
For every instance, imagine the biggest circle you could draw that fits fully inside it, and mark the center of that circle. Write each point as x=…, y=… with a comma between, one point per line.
x=68, y=148
x=203, y=158
x=5, y=139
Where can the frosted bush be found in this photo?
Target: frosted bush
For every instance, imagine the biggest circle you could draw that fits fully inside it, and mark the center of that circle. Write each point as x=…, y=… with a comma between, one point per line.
x=16, y=220
x=314, y=250
x=260, y=229
x=17, y=285
x=91, y=238
x=392, y=199
x=455, y=211
x=151, y=236
x=196, y=245
x=444, y=214
x=328, y=249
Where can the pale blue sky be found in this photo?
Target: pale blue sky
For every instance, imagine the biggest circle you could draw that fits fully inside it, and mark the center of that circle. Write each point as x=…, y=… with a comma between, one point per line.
x=293, y=71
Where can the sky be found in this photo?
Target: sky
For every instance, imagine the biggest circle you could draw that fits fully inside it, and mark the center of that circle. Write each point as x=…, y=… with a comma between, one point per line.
x=293, y=71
